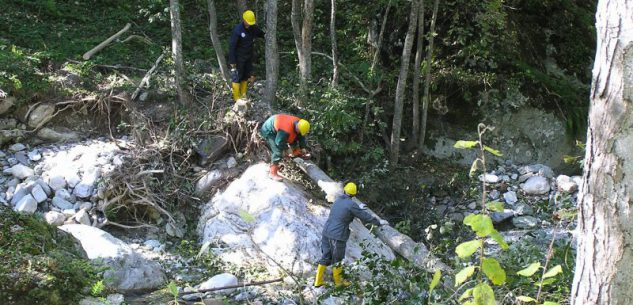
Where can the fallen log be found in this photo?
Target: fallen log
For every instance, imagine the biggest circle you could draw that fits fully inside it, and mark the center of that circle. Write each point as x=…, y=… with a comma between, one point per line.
x=145, y=80
x=102, y=45
x=414, y=252
x=233, y=286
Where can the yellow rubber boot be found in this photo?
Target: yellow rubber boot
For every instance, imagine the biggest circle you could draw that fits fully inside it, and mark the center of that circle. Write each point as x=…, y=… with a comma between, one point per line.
x=318, y=279
x=236, y=91
x=337, y=274
x=243, y=88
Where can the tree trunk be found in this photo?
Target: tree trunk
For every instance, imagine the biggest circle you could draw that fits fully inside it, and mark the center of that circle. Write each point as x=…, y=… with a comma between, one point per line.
x=241, y=7
x=402, y=84
x=416, y=75
x=217, y=45
x=272, y=53
x=301, y=18
x=334, y=46
x=176, y=52
x=605, y=225
x=427, y=81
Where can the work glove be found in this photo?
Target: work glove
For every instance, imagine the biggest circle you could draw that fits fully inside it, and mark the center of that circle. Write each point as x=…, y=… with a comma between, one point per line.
x=301, y=153
x=234, y=75
x=383, y=222
x=362, y=206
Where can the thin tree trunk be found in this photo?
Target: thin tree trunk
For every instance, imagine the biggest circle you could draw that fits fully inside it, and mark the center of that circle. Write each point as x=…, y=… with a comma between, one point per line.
x=272, y=53
x=604, y=256
x=334, y=45
x=306, y=36
x=427, y=81
x=241, y=7
x=416, y=75
x=217, y=45
x=295, y=20
x=176, y=51
x=402, y=84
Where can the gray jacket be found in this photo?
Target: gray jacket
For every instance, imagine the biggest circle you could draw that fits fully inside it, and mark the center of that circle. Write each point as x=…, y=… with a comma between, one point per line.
x=342, y=214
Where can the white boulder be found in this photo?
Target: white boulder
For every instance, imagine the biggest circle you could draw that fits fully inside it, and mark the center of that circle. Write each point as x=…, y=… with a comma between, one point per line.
x=536, y=185
x=26, y=205
x=21, y=171
x=220, y=280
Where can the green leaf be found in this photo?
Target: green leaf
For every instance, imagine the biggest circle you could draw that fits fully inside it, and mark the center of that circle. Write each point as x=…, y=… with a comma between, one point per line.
x=463, y=275
x=467, y=249
x=553, y=272
x=493, y=151
x=172, y=288
x=467, y=294
x=465, y=144
x=495, y=206
x=481, y=224
x=246, y=216
x=474, y=167
x=494, y=271
x=496, y=236
x=436, y=280
x=483, y=295
x=546, y=282
x=550, y=303
x=530, y=270
x=526, y=299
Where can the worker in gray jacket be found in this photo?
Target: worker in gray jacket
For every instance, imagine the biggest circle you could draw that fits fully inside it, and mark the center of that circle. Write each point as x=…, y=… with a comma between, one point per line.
x=336, y=233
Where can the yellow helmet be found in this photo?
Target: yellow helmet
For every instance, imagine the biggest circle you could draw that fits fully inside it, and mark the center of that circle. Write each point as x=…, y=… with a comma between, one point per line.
x=350, y=189
x=303, y=126
x=249, y=17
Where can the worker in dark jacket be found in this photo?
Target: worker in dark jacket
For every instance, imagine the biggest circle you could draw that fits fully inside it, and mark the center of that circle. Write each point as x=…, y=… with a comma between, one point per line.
x=336, y=233
x=241, y=53
x=284, y=131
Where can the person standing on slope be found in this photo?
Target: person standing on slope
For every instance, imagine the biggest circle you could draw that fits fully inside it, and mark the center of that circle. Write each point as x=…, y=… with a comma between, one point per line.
x=283, y=131
x=241, y=53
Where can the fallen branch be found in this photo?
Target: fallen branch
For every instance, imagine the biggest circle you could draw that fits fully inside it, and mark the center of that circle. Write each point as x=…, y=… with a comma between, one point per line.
x=146, y=78
x=115, y=67
x=234, y=286
x=414, y=252
x=102, y=45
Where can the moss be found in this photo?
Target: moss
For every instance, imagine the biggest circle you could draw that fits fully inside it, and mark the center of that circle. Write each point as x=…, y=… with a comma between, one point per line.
x=41, y=265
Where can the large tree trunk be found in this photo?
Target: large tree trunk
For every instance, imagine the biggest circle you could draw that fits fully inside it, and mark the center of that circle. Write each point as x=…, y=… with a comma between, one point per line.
x=272, y=53
x=176, y=51
x=427, y=81
x=217, y=45
x=605, y=224
x=334, y=45
x=417, y=76
x=402, y=84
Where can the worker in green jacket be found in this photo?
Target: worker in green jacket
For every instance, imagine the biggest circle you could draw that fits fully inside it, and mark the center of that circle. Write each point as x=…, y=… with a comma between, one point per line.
x=284, y=131
x=336, y=233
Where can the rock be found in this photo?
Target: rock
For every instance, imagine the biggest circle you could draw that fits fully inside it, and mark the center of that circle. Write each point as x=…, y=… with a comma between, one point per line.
x=54, y=218
x=22, y=158
x=457, y=217
x=510, y=197
x=525, y=177
x=514, y=176
x=34, y=155
x=44, y=187
x=521, y=209
x=129, y=271
x=51, y=135
x=85, y=206
x=26, y=205
x=40, y=115
x=489, y=178
x=283, y=223
x=17, y=147
x=525, y=222
x=82, y=217
x=6, y=103
x=208, y=181
x=72, y=179
x=498, y=217
x=494, y=194
x=8, y=123
x=2, y=154
x=231, y=162
x=62, y=204
x=152, y=243
x=65, y=194
x=220, y=280
x=212, y=148
x=38, y=194
x=8, y=136
x=21, y=172
x=173, y=230
x=566, y=184
x=472, y=205
x=577, y=180
x=115, y=299
x=83, y=190
x=193, y=297
x=57, y=183
x=536, y=185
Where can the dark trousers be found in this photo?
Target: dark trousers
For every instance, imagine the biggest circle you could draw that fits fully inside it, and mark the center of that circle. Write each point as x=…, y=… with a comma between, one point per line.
x=244, y=70
x=332, y=251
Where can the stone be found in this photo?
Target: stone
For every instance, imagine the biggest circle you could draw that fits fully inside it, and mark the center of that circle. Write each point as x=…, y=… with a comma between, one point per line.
x=566, y=184
x=22, y=158
x=21, y=190
x=577, y=180
x=231, y=162
x=498, y=217
x=521, y=209
x=220, y=280
x=38, y=194
x=472, y=205
x=57, y=183
x=510, y=197
x=44, y=187
x=17, y=147
x=85, y=206
x=525, y=177
x=539, y=169
x=208, y=181
x=83, y=190
x=514, y=176
x=115, y=299
x=82, y=217
x=457, y=217
x=129, y=271
x=21, y=172
x=489, y=178
x=8, y=123
x=494, y=194
x=40, y=115
x=2, y=154
x=525, y=222
x=34, y=155
x=54, y=218
x=72, y=179
x=63, y=204
x=26, y=205
x=536, y=185
x=256, y=219
x=6, y=104
x=65, y=194
x=51, y=135
x=212, y=148
x=152, y=243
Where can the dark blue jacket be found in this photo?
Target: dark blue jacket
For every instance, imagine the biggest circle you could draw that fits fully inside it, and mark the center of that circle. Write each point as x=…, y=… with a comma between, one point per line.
x=342, y=213
x=241, y=42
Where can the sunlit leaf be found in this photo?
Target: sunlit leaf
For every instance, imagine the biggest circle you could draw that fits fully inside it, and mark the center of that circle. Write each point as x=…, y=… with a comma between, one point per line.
x=493, y=151
x=550, y=303
x=495, y=206
x=546, y=282
x=526, y=299
x=463, y=275
x=496, y=236
x=483, y=295
x=480, y=223
x=530, y=270
x=474, y=167
x=467, y=249
x=553, y=272
x=467, y=294
x=494, y=271
x=436, y=280
x=465, y=144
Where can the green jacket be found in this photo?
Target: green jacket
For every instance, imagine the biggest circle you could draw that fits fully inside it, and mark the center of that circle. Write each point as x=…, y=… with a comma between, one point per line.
x=278, y=139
